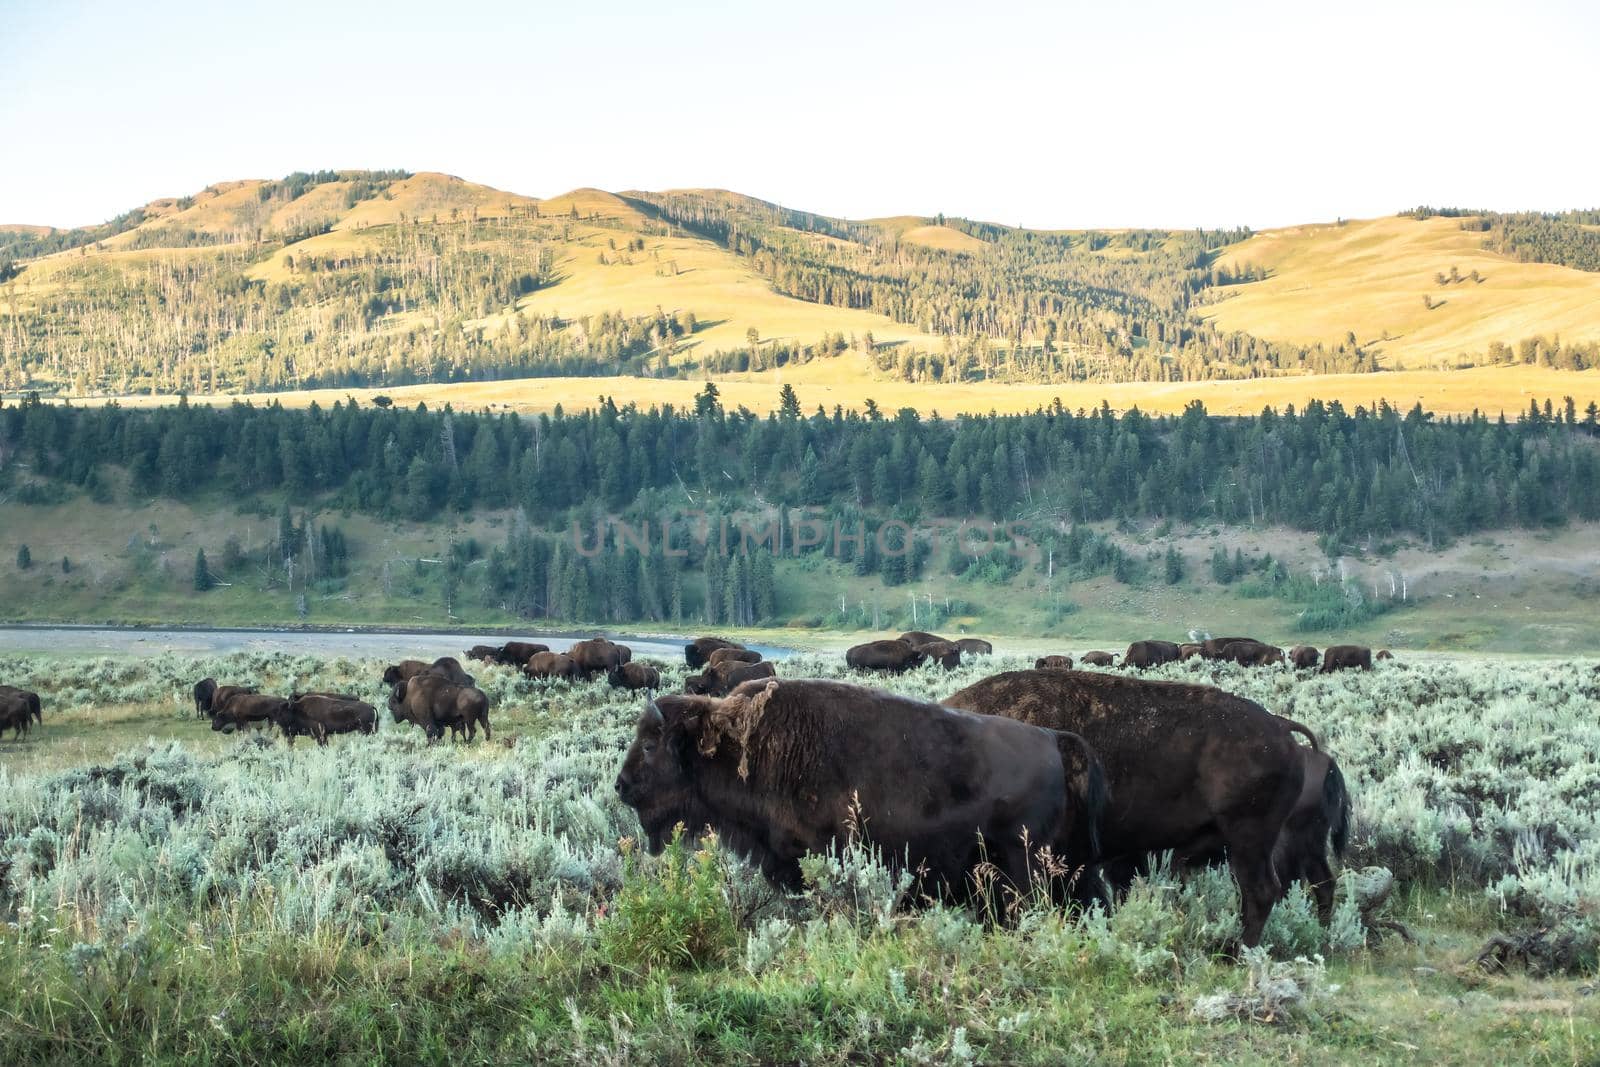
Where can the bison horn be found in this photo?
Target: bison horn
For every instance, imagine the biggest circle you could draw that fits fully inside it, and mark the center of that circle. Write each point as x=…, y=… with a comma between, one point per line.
x=652, y=711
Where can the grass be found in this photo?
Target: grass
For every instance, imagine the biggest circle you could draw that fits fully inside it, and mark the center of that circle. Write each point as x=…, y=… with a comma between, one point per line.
x=1370, y=275
x=175, y=904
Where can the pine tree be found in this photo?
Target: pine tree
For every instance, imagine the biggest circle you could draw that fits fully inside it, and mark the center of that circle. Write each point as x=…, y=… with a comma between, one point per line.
x=202, y=573
x=1173, y=566
x=24, y=558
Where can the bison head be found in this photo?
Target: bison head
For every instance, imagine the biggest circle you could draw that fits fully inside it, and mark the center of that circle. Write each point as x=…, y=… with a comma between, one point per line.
x=397, y=701
x=656, y=779
x=391, y=674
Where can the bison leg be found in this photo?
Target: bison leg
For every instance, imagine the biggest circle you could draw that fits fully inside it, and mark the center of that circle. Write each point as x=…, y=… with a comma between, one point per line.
x=487, y=735
x=1250, y=858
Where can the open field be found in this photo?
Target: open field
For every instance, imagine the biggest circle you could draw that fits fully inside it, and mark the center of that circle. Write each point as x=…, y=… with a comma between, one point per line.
x=179, y=893
x=1491, y=390
x=1369, y=276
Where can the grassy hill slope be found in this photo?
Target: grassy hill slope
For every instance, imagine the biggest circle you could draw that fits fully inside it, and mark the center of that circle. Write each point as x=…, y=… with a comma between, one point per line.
x=1370, y=277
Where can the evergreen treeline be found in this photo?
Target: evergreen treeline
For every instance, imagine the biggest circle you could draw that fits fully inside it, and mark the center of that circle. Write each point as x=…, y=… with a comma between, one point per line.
x=1565, y=238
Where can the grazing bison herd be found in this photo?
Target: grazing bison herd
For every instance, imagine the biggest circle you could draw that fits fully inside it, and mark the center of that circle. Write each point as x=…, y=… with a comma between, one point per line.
x=1058, y=779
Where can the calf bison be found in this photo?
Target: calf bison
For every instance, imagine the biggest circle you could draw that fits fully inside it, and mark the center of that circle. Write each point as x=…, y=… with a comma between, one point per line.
x=598, y=656
x=1346, y=657
x=29, y=698
x=551, y=665
x=239, y=709
x=1100, y=659
x=319, y=714
x=783, y=768
x=634, y=676
x=1145, y=654
x=1303, y=657
x=1053, y=663
x=721, y=680
x=697, y=653
x=945, y=653
x=733, y=655
x=434, y=703
x=892, y=657
x=1384, y=653
x=1190, y=768
x=975, y=646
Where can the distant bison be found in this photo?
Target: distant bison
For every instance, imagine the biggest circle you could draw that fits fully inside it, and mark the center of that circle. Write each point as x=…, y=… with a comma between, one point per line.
x=1304, y=656
x=1189, y=767
x=785, y=768
x=733, y=655
x=1188, y=651
x=517, y=653
x=240, y=709
x=319, y=714
x=204, y=690
x=1217, y=647
x=485, y=653
x=16, y=713
x=551, y=665
x=1346, y=657
x=433, y=703
x=721, y=680
x=1053, y=663
x=1252, y=653
x=446, y=667
x=1384, y=653
x=1145, y=654
x=697, y=653
x=598, y=655
x=634, y=676
x=945, y=653
x=919, y=637
x=892, y=657
x=29, y=698
x=975, y=646
x=1100, y=659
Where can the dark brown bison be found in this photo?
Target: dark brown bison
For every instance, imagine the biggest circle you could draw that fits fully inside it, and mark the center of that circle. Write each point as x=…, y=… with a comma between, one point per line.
x=919, y=637
x=551, y=665
x=485, y=653
x=1346, y=657
x=434, y=703
x=239, y=709
x=1303, y=656
x=945, y=653
x=975, y=646
x=1144, y=654
x=1384, y=653
x=204, y=690
x=697, y=653
x=403, y=671
x=634, y=676
x=517, y=653
x=16, y=713
x=721, y=680
x=889, y=656
x=733, y=655
x=783, y=768
x=1100, y=659
x=29, y=697
x=446, y=667
x=1216, y=647
x=1188, y=651
x=1053, y=663
x=317, y=715
x=1190, y=768
x=1253, y=654
x=598, y=655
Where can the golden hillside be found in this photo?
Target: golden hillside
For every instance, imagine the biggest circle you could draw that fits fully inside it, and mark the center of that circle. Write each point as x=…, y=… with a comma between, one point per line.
x=1370, y=276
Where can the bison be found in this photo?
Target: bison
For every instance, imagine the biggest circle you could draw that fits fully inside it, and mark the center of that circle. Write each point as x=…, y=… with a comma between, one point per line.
x=484, y=653
x=241, y=708
x=204, y=690
x=915, y=638
x=1303, y=657
x=1100, y=659
x=29, y=697
x=446, y=667
x=1346, y=657
x=1190, y=768
x=517, y=653
x=945, y=653
x=783, y=768
x=1216, y=647
x=697, y=653
x=1188, y=651
x=891, y=657
x=1144, y=654
x=634, y=676
x=598, y=656
x=719, y=681
x=551, y=665
x=1384, y=653
x=433, y=703
x=319, y=714
x=1053, y=663
x=733, y=655
x=16, y=713
x=975, y=646
x=1252, y=653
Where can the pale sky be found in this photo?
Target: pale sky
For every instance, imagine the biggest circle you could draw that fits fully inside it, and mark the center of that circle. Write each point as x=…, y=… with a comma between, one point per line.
x=1050, y=115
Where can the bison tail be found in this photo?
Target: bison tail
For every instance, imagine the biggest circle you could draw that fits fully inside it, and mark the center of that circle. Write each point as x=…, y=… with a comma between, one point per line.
x=1336, y=808
x=1297, y=728
x=1088, y=788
